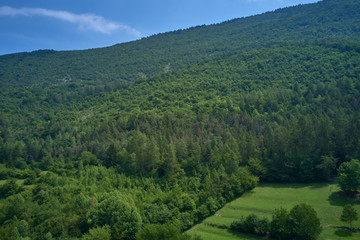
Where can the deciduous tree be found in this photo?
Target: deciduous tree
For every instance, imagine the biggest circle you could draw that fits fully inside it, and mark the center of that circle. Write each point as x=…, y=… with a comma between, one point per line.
x=349, y=176
x=279, y=226
x=349, y=214
x=304, y=223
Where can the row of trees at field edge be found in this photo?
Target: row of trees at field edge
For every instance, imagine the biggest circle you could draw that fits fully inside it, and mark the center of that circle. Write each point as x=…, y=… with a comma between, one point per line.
x=298, y=224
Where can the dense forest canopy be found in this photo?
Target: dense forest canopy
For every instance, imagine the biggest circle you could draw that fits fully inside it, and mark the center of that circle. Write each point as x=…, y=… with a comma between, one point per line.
x=170, y=128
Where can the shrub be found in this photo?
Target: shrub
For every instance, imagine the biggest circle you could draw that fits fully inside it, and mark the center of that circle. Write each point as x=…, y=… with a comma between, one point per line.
x=251, y=224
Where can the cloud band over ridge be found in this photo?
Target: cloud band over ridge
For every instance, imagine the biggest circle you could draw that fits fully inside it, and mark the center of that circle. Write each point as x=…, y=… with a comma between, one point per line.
x=85, y=21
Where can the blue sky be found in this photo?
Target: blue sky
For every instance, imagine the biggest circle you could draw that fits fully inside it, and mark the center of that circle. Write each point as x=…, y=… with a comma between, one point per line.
x=28, y=25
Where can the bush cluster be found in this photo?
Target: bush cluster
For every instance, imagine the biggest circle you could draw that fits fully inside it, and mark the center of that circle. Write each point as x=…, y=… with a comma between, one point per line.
x=298, y=224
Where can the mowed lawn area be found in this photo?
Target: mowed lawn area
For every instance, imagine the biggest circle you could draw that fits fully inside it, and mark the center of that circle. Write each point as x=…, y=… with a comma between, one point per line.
x=326, y=199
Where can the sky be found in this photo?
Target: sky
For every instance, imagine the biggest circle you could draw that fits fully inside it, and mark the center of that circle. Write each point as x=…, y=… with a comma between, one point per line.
x=28, y=25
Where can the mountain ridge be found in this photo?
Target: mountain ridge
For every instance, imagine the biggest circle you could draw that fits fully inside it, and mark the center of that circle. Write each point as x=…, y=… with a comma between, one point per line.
x=149, y=56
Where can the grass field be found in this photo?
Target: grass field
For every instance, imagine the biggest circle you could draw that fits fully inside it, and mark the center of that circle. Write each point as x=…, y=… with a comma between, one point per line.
x=326, y=199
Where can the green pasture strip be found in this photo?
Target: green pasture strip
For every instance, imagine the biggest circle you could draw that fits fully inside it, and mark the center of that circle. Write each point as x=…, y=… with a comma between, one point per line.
x=326, y=199
x=214, y=233
x=219, y=220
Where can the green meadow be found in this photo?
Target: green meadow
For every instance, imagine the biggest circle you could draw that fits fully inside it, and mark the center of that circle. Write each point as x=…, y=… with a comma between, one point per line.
x=326, y=199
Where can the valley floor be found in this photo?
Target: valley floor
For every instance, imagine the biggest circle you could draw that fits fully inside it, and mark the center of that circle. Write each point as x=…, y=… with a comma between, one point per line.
x=326, y=199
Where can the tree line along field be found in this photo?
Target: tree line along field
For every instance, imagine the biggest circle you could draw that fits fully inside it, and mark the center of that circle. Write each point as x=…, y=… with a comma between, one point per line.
x=325, y=198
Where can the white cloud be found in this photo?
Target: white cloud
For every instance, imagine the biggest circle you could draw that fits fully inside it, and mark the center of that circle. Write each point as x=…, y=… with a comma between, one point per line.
x=85, y=21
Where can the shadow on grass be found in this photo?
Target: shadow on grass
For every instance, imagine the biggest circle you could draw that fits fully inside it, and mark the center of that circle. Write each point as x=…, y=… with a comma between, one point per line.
x=343, y=233
x=319, y=185
x=315, y=185
x=284, y=185
x=341, y=199
x=244, y=235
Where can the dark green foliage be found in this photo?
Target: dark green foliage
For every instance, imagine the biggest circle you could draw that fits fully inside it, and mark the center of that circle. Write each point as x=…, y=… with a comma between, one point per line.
x=304, y=223
x=23, y=228
x=271, y=124
x=110, y=158
x=300, y=223
x=15, y=235
x=280, y=224
x=349, y=214
x=349, y=176
x=87, y=158
x=9, y=188
x=92, y=71
x=326, y=168
x=252, y=224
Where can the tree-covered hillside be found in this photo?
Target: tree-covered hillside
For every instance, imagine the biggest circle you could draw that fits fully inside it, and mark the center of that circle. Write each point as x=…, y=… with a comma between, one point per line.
x=330, y=19
x=285, y=113
x=151, y=137
x=271, y=105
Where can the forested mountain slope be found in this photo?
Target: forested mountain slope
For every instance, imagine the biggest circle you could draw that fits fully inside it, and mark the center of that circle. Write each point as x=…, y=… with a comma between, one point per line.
x=272, y=104
x=83, y=134
x=330, y=19
x=178, y=146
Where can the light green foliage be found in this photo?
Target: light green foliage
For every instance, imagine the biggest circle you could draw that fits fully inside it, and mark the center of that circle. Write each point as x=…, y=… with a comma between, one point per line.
x=256, y=167
x=119, y=212
x=48, y=236
x=15, y=235
x=275, y=201
x=280, y=224
x=23, y=228
x=349, y=175
x=95, y=196
x=98, y=233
